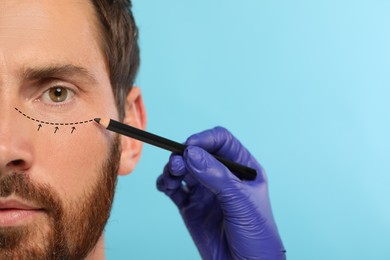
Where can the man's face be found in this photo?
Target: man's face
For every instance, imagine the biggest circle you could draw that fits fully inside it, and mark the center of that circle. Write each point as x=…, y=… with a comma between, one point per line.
x=56, y=181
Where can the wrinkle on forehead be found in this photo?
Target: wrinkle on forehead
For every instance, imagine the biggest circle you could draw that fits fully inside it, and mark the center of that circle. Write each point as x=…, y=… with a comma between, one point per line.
x=41, y=32
x=26, y=20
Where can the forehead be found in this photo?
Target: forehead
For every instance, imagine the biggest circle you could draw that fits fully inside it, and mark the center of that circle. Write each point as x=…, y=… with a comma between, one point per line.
x=48, y=31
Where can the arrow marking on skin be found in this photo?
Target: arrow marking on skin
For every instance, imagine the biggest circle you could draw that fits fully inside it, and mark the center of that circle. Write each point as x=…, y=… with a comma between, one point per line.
x=56, y=129
x=39, y=126
x=73, y=128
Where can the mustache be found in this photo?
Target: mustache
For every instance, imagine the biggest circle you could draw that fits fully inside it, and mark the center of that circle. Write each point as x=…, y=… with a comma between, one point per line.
x=20, y=185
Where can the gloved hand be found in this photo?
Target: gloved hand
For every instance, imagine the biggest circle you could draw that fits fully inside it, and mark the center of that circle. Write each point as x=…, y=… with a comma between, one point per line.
x=227, y=218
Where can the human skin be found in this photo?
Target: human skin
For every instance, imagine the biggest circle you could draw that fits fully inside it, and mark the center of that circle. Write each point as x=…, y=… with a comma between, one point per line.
x=41, y=34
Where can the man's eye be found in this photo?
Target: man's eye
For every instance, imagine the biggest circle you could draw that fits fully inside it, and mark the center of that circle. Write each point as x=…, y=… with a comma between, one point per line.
x=57, y=94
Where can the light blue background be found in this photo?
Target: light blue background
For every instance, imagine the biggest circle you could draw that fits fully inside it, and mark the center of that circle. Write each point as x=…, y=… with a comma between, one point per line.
x=303, y=84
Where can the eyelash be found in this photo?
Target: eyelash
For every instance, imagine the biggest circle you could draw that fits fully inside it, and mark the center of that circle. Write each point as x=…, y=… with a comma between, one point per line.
x=46, y=100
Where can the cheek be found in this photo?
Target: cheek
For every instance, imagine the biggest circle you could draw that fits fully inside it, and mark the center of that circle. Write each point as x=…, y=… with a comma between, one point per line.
x=71, y=162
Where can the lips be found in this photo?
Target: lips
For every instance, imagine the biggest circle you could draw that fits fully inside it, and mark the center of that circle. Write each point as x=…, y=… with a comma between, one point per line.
x=14, y=204
x=14, y=212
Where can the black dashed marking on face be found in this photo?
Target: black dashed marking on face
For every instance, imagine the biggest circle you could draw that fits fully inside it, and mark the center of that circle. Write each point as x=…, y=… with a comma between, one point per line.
x=52, y=123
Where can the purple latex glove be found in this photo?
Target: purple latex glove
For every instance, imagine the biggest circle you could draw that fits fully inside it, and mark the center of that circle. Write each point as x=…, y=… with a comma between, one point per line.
x=227, y=218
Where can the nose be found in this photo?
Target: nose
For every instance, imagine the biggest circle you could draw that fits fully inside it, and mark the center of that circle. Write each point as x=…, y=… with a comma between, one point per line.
x=15, y=149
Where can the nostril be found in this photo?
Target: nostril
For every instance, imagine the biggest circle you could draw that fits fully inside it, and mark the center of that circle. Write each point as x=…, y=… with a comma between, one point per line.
x=16, y=163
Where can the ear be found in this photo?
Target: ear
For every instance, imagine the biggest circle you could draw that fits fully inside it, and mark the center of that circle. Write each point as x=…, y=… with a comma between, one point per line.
x=135, y=115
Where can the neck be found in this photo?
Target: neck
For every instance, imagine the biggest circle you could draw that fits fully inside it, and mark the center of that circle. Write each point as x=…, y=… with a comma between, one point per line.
x=98, y=252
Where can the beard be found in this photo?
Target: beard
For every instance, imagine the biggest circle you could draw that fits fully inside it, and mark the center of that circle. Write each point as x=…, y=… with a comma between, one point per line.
x=68, y=231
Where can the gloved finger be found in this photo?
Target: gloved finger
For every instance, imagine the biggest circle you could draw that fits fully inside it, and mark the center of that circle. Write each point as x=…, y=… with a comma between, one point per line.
x=171, y=182
x=176, y=165
x=178, y=171
x=220, y=141
x=178, y=195
x=208, y=171
x=160, y=183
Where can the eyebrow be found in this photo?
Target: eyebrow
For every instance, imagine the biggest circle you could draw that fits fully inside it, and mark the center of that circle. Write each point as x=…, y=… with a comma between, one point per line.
x=57, y=71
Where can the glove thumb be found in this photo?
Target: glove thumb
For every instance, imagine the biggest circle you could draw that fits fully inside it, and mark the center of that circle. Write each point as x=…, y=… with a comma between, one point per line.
x=207, y=170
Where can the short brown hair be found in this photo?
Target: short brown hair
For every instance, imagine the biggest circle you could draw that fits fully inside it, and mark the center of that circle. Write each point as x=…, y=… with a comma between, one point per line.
x=120, y=45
